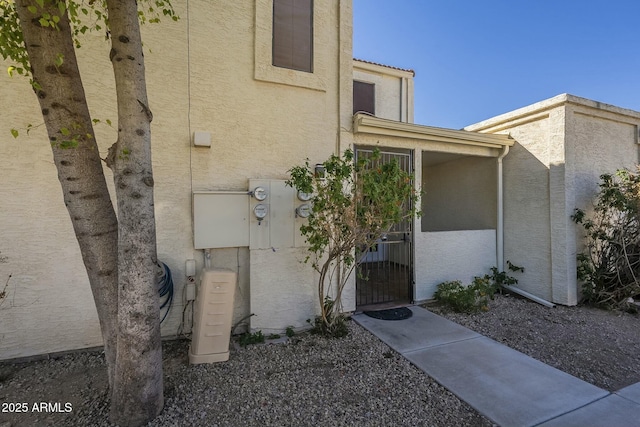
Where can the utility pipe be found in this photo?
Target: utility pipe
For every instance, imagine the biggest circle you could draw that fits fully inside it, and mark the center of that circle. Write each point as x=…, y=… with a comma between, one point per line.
x=528, y=295
x=500, y=225
x=402, y=100
x=207, y=259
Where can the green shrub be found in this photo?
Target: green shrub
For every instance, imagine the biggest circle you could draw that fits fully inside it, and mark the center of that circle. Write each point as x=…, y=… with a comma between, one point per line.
x=466, y=299
x=476, y=296
x=344, y=222
x=249, y=338
x=609, y=265
x=459, y=298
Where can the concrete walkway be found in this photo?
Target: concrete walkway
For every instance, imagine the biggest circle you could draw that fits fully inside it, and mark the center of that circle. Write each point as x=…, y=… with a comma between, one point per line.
x=506, y=386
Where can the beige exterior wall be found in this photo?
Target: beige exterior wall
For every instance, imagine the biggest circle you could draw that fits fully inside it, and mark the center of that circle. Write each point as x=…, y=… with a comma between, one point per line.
x=201, y=77
x=393, y=90
x=459, y=193
x=451, y=255
x=563, y=145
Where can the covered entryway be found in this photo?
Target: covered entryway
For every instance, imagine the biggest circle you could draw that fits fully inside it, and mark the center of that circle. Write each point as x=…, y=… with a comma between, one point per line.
x=459, y=235
x=385, y=275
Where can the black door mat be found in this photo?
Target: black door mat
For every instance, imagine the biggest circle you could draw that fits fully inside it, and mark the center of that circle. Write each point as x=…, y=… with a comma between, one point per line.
x=399, y=313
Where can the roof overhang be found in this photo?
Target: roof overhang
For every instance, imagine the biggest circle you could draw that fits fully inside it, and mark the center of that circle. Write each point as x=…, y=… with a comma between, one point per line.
x=363, y=123
x=382, y=68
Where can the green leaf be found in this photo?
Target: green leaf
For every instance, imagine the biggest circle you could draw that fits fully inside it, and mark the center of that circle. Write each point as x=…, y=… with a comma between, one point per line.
x=32, y=9
x=10, y=71
x=65, y=131
x=43, y=22
x=40, y=3
x=14, y=132
x=108, y=122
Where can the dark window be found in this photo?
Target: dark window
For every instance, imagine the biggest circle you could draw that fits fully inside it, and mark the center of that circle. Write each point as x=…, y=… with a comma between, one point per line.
x=293, y=34
x=364, y=98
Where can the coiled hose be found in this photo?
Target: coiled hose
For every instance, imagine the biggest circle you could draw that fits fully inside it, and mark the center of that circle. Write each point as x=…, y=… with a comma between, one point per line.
x=165, y=288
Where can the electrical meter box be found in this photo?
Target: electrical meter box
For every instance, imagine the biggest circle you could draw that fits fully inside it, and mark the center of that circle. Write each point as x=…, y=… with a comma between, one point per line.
x=213, y=316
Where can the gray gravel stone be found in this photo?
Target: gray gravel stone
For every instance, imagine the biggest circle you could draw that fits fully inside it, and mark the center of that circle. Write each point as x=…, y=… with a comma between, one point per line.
x=312, y=381
x=308, y=381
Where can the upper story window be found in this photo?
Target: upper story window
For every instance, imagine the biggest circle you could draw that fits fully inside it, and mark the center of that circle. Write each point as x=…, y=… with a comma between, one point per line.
x=364, y=97
x=293, y=34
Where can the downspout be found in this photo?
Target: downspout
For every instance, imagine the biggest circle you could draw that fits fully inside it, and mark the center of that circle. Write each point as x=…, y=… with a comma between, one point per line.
x=339, y=102
x=500, y=225
x=500, y=236
x=402, y=99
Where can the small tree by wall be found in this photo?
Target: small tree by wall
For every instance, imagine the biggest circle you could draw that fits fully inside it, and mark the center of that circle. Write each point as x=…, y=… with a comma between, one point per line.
x=354, y=203
x=609, y=266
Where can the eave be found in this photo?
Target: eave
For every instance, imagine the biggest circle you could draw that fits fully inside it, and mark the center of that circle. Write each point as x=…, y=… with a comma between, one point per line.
x=363, y=123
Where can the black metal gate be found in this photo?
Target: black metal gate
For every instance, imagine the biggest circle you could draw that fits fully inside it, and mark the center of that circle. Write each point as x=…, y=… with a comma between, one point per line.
x=385, y=274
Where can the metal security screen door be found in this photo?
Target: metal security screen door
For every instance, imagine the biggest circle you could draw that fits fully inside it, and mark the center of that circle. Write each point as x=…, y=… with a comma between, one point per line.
x=386, y=272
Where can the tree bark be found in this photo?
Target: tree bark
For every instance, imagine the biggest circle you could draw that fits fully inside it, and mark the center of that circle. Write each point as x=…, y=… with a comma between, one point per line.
x=86, y=196
x=119, y=253
x=137, y=394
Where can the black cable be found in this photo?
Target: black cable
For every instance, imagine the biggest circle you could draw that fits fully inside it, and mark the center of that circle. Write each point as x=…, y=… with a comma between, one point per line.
x=165, y=288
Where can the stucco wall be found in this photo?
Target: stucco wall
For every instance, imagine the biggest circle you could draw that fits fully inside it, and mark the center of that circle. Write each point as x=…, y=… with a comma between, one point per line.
x=459, y=194
x=451, y=255
x=528, y=188
x=393, y=90
x=201, y=77
x=563, y=145
x=599, y=140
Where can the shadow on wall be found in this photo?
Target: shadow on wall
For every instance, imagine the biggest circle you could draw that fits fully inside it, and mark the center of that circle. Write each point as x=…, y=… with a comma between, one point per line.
x=460, y=192
x=527, y=213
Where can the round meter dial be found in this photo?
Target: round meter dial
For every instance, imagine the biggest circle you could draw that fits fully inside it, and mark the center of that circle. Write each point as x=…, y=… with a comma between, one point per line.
x=303, y=211
x=260, y=211
x=305, y=197
x=260, y=193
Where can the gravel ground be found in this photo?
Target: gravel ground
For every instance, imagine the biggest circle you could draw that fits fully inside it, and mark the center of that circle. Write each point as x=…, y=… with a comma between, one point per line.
x=355, y=381
x=600, y=347
x=310, y=381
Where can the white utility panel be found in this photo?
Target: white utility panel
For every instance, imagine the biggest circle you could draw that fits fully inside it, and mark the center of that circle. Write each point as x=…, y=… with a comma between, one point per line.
x=220, y=219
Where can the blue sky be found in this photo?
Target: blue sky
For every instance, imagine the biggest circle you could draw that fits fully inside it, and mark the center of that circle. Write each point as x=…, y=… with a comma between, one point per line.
x=477, y=59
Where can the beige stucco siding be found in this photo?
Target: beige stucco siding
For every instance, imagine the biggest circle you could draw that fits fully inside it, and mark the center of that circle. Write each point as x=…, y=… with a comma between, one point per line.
x=534, y=174
x=393, y=90
x=563, y=145
x=459, y=194
x=201, y=75
x=526, y=203
x=451, y=255
x=597, y=142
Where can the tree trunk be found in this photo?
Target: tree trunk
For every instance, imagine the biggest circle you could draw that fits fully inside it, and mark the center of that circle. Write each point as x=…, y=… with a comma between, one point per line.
x=137, y=394
x=66, y=116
